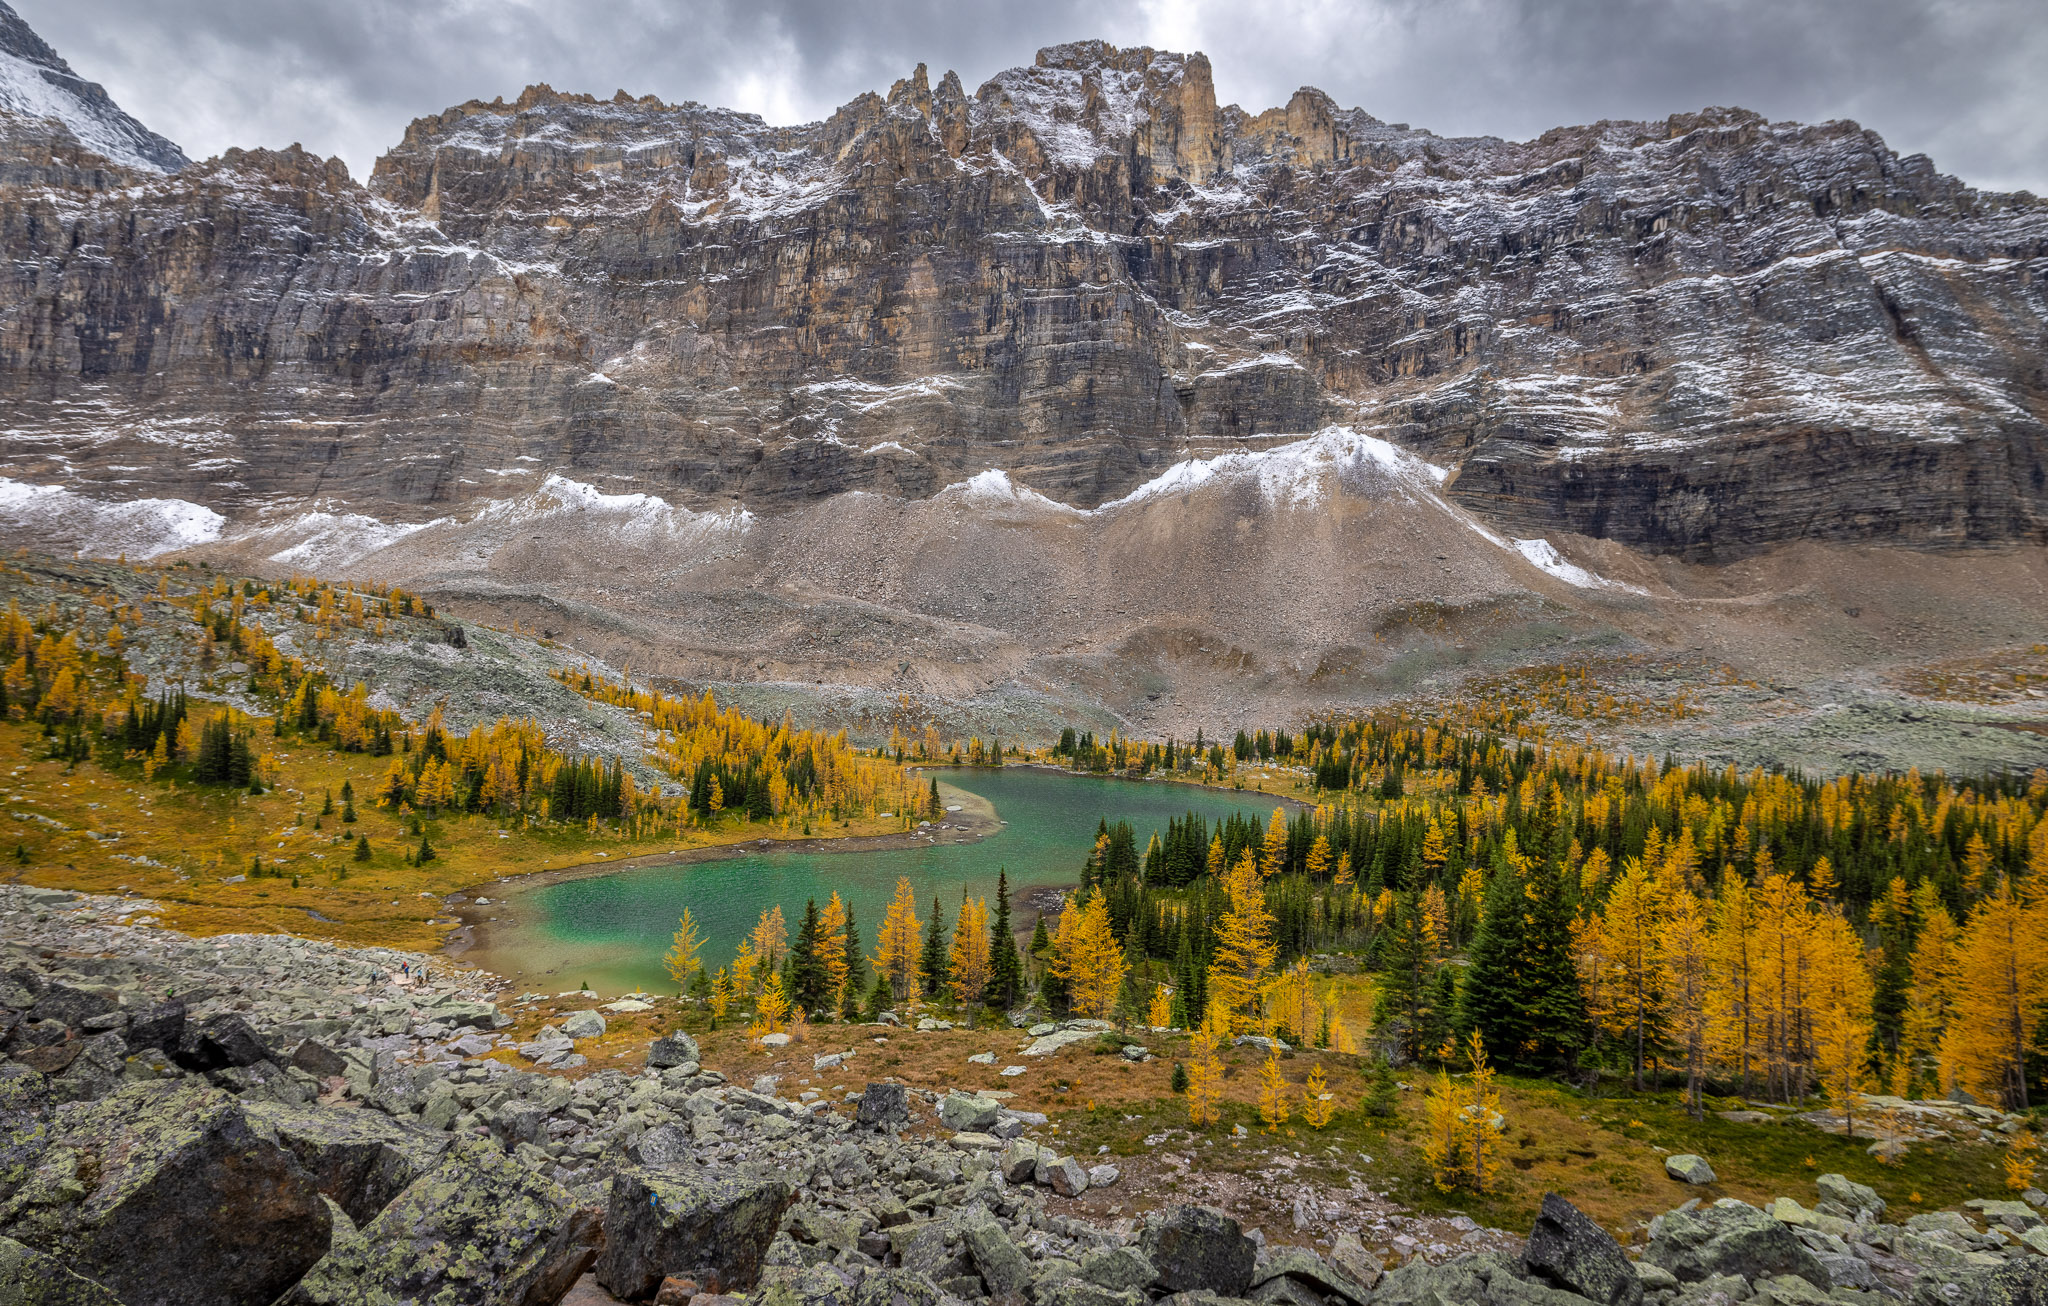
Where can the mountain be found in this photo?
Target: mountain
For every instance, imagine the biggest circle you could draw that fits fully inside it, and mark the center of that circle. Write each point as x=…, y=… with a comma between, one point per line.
x=903, y=400
x=50, y=116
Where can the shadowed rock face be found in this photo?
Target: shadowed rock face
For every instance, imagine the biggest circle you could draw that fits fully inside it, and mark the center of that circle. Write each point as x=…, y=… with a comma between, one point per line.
x=1700, y=336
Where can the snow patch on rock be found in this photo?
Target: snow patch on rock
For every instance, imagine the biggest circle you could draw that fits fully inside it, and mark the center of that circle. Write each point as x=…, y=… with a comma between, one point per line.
x=137, y=528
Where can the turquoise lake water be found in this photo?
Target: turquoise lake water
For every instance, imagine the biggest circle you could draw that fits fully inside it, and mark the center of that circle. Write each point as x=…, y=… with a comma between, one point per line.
x=609, y=931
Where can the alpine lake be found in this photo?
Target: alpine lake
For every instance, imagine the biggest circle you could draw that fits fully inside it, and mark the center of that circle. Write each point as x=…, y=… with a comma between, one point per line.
x=608, y=930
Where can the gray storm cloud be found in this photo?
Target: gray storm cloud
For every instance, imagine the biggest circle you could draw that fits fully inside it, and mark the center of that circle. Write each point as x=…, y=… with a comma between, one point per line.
x=1958, y=81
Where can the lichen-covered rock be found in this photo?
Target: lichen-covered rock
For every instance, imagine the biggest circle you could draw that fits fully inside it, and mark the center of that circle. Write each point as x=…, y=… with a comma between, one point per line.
x=1198, y=1247
x=1687, y=1168
x=1567, y=1249
x=166, y=1195
x=1854, y=1198
x=1488, y=1279
x=673, y=1049
x=712, y=1228
x=1729, y=1238
x=29, y=1278
x=360, y=1159
x=1001, y=1266
x=968, y=1112
x=1305, y=1267
x=1119, y=1268
x=898, y=1287
x=884, y=1106
x=221, y=1041
x=479, y=1229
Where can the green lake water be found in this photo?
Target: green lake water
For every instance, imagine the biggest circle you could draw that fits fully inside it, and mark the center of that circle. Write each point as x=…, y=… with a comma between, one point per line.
x=609, y=931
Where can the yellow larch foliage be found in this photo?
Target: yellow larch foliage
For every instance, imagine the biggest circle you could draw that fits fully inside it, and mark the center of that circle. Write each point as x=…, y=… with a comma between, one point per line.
x=1245, y=949
x=771, y=1010
x=682, y=960
x=1933, y=967
x=1273, y=854
x=1159, y=1013
x=967, y=960
x=1318, y=1104
x=2001, y=986
x=832, y=945
x=770, y=939
x=1318, y=857
x=1274, y=1107
x=1087, y=957
x=898, y=941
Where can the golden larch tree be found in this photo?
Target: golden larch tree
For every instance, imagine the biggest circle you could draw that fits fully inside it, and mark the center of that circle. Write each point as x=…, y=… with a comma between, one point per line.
x=1245, y=949
x=1274, y=1107
x=1087, y=957
x=2000, y=988
x=898, y=942
x=967, y=962
x=682, y=959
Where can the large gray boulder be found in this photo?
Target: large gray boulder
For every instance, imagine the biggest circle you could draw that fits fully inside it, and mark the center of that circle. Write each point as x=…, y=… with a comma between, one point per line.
x=968, y=1112
x=1001, y=1266
x=1729, y=1238
x=899, y=1288
x=221, y=1041
x=360, y=1159
x=1119, y=1269
x=1199, y=1247
x=165, y=1194
x=1303, y=1267
x=673, y=1049
x=29, y=1278
x=1852, y=1199
x=884, y=1106
x=714, y=1229
x=1488, y=1279
x=1687, y=1168
x=479, y=1229
x=1568, y=1250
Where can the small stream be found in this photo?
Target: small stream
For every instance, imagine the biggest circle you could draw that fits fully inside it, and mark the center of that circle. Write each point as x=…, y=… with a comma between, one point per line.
x=609, y=930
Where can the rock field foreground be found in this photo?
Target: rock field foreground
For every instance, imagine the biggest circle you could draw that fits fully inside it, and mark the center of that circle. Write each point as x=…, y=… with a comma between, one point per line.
x=251, y=1119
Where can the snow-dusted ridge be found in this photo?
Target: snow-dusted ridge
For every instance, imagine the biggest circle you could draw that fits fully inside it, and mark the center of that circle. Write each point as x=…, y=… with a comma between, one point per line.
x=136, y=528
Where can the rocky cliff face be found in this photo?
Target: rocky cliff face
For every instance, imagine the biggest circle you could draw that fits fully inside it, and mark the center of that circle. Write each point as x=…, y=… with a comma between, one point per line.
x=1701, y=336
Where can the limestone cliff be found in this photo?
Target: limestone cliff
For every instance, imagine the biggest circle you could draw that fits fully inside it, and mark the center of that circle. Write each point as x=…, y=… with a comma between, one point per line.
x=1700, y=336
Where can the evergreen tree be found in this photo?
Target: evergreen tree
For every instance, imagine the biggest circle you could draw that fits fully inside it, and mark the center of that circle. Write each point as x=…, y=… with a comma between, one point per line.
x=810, y=982
x=932, y=962
x=1005, y=967
x=1521, y=988
x=1410, y=1002
x=362, y=847
x=1052, y=986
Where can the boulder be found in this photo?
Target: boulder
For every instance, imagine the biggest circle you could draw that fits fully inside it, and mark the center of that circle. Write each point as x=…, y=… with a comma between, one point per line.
x=1568, y=1250
x=360, y=1160
x=1198, y=1247
x=1020, y=1161
x=1080, y=1292
x=1066, y=1176
x=884, y=1106
x=70, y=1005
x=479, y=1229
x=673, y=1049
x=159, y=1026
x=1349, y=1254
x=1729, y=1238
x=996, y=1259
x=1102, y=1176
x=119, y=1174
x=29, y=1278
x=219, y=1042
x=1119, y=1269
x=1488, y=1279
x=1854, y=1197
x=714, y=1228
x=898, y=1288
x=583, y=1024
x=1283, y=1291
x=1689, y=1169
x=663, y=1147
x=2016, y=1283
x=318, y=1060
x=968, y=1112
x=1304, y=1267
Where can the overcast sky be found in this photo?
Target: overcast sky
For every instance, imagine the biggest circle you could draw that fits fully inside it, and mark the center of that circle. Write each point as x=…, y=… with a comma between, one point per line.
x=1965, y=81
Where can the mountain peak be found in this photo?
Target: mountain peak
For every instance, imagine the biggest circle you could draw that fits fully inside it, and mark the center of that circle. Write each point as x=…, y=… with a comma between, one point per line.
x=39, y=91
